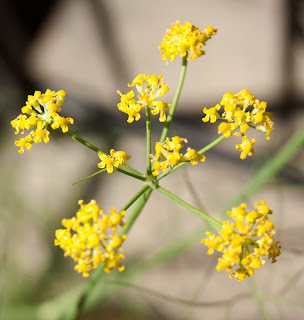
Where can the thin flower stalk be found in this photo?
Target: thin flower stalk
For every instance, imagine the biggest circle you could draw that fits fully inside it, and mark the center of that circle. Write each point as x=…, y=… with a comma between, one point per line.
x=188, y=206
x=127, y=170
x=175, y=99
x=148, y=138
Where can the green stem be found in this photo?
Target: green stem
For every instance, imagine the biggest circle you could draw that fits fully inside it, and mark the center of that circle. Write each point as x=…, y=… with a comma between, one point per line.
x=103, y=170
x=215, y=142
x=84, y=142
x=148, y=134
x=76, y=309
x=189, y=207
x=130, y=173
x=135, y=173
x=90, y=176
x=175, y=100
x=140, y=203
x=133, y=199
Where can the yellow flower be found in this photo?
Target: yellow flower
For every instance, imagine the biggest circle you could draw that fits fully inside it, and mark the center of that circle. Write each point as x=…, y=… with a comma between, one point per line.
x=41, y=134
x=149, y=88
x=214, y=243
x=40, y=111
x=244, y=110
x=61, y=122
x=245, y=242
x=91, y=238
x=181, y=39
x=168, y=154
x=115, y=159
x=226, y=128
x=211, y=114
x=24, y=143
x=193, y=156
x=246, y=147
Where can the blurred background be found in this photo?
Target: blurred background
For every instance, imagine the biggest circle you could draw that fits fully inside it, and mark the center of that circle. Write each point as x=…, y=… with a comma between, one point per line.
x=91, y=48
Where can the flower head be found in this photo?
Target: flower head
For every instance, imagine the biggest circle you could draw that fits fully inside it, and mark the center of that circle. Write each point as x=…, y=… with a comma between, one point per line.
x=245, y=241
x=115, y=159
x=168, y=154
x=241, y=110
x=40, y=110
x=150, y=88
x=183, y=39
x=91, y=238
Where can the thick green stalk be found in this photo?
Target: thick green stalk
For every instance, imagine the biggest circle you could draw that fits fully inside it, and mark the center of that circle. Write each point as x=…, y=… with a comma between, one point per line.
x=148, y=135
x=136, y=174
x=189, y=207
x=76, y=309
x=175, y=100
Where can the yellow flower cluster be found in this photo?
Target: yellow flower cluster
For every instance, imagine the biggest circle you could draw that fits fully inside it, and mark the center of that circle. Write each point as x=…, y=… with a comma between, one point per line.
x=115, y=159
x=168, y=154
x=245, y=241
x=181, y=39
x=91, y=238
x=40, y=110
x=244, y=110
x=149, y=88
